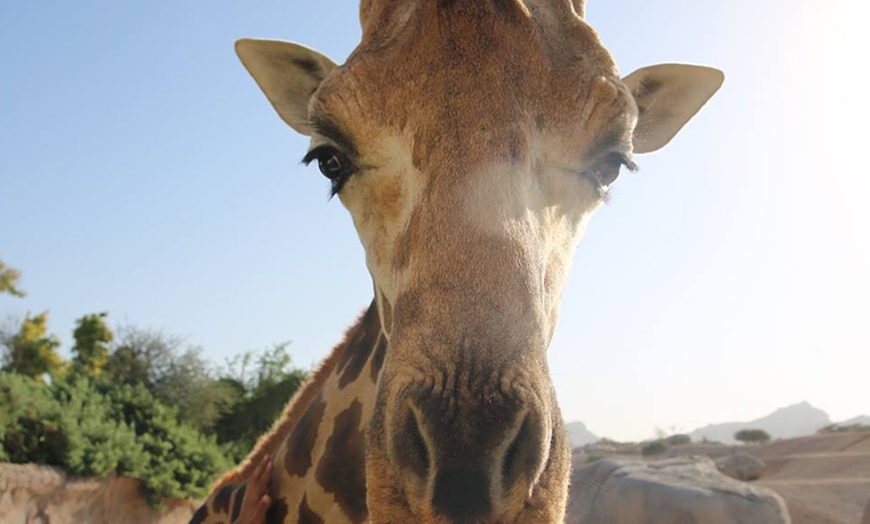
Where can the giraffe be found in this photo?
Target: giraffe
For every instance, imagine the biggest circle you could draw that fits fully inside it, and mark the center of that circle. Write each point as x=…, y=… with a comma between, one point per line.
x=470, y=140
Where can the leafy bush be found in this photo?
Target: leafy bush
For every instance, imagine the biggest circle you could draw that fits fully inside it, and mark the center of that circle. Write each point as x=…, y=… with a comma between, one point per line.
x=678, y=440
x=30, y=422
x=261, y=390
x=651, y=449
x=749, y=436
x=94, y=427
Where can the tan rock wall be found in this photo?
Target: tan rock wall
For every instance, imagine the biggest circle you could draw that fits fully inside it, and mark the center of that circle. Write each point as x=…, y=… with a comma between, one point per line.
x=42, y=495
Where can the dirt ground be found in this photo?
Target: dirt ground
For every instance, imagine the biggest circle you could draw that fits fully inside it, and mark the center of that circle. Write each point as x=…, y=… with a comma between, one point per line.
x=824, y=479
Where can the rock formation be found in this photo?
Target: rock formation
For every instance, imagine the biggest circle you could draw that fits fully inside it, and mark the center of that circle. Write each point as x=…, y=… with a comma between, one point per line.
x=41, y=495
x=685, y=489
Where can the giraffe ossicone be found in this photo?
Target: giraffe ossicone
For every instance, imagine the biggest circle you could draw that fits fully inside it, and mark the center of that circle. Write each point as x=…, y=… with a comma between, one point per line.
x=470, y=140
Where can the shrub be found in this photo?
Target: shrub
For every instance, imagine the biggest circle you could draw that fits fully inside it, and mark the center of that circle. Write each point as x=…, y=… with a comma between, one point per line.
x=30, y=422
x=678, y=440
x=651, y=449
x=750, y=436
x=96, y=427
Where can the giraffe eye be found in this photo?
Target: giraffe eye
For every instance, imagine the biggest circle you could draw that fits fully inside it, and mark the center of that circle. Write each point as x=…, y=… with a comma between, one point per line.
x=333, y=164
x=606, y=171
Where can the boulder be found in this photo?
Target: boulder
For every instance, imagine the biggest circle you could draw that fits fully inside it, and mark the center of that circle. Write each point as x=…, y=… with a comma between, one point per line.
x=682, y=489
x=39, y=495
x=742, y=466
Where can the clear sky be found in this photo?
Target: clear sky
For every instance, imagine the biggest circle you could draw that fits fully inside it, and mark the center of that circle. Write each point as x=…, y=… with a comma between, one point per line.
x=142, y=173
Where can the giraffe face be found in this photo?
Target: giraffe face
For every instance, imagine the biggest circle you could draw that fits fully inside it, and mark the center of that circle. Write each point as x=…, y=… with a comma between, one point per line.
x=471, y=142
x=476, y=164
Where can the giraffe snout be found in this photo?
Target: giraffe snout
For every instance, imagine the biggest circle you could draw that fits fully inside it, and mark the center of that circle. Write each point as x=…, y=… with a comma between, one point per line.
x=469, y=462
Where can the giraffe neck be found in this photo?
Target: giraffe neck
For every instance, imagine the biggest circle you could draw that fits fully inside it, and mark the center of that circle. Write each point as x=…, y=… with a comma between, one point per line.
x=317, y=445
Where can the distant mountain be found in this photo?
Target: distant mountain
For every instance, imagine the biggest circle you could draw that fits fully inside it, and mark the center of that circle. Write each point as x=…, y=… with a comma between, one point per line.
x=579, y=435
x=792, y=421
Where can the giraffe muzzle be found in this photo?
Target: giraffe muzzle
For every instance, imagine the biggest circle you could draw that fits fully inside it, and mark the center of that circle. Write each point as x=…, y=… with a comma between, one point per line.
x=473, y=461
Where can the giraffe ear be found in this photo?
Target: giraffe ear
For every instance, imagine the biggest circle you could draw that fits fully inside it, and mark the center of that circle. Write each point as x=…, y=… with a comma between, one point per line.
x=288, y=74
x=667, y=97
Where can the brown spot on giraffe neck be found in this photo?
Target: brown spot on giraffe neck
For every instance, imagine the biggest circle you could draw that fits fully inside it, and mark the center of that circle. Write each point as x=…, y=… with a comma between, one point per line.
x=222, y=499
x=237, y=502
x=360, y=348
x=307, y=515
x=200, y=515
x=300, y=443
x=277, y=512
x=342, y=471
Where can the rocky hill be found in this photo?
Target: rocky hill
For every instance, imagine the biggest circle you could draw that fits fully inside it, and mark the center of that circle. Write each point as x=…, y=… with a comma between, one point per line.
x=793, y=421
x=579, y=435
x=824, y=479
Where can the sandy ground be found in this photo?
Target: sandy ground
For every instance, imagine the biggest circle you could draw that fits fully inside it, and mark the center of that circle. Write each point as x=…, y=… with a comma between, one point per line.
x=824, y=479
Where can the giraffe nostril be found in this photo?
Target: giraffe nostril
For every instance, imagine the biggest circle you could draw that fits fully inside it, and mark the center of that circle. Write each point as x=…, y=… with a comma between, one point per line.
x=523, y=455
x=411, y=448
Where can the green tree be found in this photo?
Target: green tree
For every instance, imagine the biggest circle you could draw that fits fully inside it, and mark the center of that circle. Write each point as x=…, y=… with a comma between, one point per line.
x=189, y=385
x=175, y=375
x=142, y=356
x=263, y=382
x=91, y=350
x=9, y=280
x=752, y=436
x=32, y=351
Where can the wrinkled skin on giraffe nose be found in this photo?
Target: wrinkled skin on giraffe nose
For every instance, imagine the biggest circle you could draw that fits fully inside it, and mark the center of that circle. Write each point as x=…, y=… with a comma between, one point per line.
x=468, y=460
x=465, y=430
x=466, y=444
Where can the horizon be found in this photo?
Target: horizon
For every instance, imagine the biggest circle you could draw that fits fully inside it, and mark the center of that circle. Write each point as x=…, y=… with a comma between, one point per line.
x=146, y=175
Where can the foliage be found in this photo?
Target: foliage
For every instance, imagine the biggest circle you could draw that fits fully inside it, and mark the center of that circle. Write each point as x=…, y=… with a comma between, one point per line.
x=91, y=351
x=32, y=351
x=262, y=392
x=94, y=427
x=189, y=385
x=9, y=280
x=752, y=436
x=177, y=376
x=30, y=422
x=654, y=448
x=182, y=462
x=678, y=440
x=142, y=356
x=137, y=403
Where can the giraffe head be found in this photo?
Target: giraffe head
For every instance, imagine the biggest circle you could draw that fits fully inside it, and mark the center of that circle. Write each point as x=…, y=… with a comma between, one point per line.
x=471, y=140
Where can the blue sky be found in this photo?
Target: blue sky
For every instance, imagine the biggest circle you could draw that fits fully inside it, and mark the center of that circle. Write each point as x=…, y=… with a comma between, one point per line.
x=143, y=174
